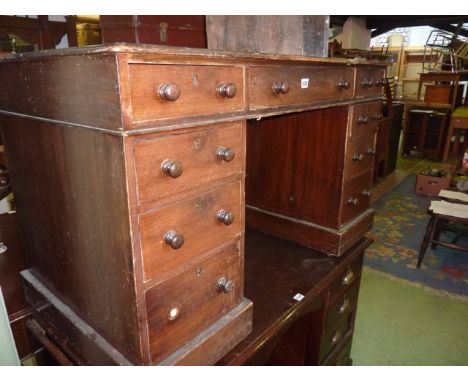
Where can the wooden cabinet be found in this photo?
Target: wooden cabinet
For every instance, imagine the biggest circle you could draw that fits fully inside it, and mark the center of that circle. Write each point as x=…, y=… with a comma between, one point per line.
x=131, y=203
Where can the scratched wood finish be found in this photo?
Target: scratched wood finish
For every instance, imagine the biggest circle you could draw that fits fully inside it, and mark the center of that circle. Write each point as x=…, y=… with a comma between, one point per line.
x=373, y=75
x=195, y=219
x=198, y=94
x=355, y=189
x=290, y=157
x=76, y=89
x=370, y=111
x=301, y=270
x=195, y=151
x=359, y=157
x=195, y=294
x=305, y=85
x=74, y=234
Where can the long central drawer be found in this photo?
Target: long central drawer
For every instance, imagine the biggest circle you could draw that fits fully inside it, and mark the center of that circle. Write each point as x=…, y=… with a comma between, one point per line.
x=281, y=86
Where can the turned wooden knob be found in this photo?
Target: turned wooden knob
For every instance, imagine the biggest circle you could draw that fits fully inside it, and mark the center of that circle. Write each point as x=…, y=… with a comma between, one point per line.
x=353, y=201
x=225, y=285
x=225, y=217
x=363, y=119
x=172, y=168
x=377, y=117
x=225, y=153
x=343, y=84
x=173, y=239
x=370, y=152
x=358, y=157
x=280, y=87
x=169, y=92
x=367, y=193
x=227, y=90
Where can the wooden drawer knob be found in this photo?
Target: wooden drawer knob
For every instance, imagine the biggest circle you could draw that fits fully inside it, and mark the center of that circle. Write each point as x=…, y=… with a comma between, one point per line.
x=367, y=193
x=280, y=87
x=344, y=306
x=225, y=285
x=363, y=119
x=169, y=92
x=172, y=168
x=343, y=84
x=353, y=201
x=227, y=90
x=358, y=157
x=173, y=239
x=348, y=278
x=225, y=217
x=377, y=117
x=336, y=337
x=225, y=153
x=365, y=82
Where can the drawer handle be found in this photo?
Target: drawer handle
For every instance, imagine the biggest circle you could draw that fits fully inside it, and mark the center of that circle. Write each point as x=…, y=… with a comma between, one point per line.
x=363, y=119
x=348, y=278
x=344, y=306
x=370, y=152
x=343, y=84
x=225, y=153
x=225, y=217
x=172, y=168
x=173, y=239
x=336, y=337
x=225, y=285
x=228, y=90
x=381, y=82
x=353, y=201
x=366, y=83
x=367, y=193
x=280, y=87
x=377, y=117
x=358, y=157
x=169, y=92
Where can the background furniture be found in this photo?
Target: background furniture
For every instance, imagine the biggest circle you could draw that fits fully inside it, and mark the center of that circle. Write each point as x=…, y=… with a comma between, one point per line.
x=394, y=135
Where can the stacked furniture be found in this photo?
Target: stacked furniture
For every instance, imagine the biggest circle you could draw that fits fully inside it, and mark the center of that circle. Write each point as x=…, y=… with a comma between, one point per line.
x=128, y=168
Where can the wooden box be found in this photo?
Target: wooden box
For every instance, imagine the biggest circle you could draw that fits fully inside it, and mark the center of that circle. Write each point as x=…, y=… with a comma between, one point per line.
x=294, y=35
x=431, y=185
x=186, y=31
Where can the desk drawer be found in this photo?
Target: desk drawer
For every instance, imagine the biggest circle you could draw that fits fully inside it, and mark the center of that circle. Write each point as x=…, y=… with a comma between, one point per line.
x=194, y=156
x=281, y=86
x=356, y=197
x=335, y=337
x=186, y=304
x=345, y=279
x=364, y=117
x=178, y=233
x=345, y=305
x=369, y=82
x=178, y=91
x=360, y=152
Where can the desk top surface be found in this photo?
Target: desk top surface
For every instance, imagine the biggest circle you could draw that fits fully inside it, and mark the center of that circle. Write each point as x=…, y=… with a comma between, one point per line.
x=194, y=53
x=275, y=271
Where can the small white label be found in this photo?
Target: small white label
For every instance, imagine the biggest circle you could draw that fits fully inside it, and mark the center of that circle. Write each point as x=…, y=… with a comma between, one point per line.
x=304, y=83
x=298, y=297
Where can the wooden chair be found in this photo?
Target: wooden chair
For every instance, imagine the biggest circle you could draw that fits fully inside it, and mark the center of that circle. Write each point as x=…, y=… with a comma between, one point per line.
x=448, y=214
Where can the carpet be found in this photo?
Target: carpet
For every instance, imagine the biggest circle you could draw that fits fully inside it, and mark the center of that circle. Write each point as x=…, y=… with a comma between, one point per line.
x=399, y=226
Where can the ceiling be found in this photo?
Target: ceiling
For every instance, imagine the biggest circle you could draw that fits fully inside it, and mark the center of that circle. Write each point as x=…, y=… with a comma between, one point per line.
x=382, y=24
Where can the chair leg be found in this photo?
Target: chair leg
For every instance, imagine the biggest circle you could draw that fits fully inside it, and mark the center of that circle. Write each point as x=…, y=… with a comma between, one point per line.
x=427, y=239
x=437, y=231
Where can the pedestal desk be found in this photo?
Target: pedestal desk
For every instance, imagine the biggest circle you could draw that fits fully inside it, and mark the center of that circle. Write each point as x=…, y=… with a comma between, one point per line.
x=128, y=165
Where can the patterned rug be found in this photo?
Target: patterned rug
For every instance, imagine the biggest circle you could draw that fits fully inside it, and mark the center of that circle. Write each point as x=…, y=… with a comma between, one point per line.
x=399, y=226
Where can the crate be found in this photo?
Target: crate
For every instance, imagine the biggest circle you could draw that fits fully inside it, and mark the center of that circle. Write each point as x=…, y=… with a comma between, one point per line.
x=431, y=185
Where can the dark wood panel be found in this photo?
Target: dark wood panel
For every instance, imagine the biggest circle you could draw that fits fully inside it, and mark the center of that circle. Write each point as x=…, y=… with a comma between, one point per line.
x=289, y=167
x=76, y=89
x=70, y=192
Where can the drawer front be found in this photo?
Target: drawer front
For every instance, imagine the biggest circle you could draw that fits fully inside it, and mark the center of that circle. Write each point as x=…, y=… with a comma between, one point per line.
x=177, y=234
x=195, y=156
x=178, y=91
x=364, y=117
x=335, y=337
x=356, y=197
x=280, y=86
x=184, y=305
x=341, y=357
x=360, y=152
x=342, y=308
x=369, y=82
x=345, y=279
